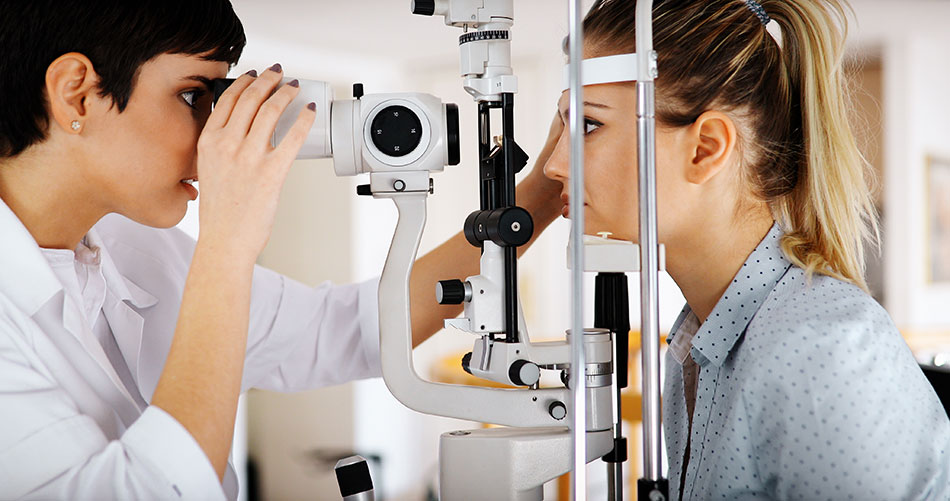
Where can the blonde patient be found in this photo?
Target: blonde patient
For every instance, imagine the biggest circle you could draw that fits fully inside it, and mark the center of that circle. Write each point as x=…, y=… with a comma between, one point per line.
x=785, y=379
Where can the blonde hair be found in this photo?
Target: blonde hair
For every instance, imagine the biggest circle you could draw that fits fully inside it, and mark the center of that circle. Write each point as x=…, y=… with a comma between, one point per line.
x=803, y=159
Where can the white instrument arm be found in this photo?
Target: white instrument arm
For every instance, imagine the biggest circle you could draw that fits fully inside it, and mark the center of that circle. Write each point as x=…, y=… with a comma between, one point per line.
x=511, y=407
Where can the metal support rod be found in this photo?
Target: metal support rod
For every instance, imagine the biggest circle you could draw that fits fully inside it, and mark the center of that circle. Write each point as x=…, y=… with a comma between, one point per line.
x=508, y=149
x=576, y=124
x=652, y=486
x=649, y=277
x=507, y=179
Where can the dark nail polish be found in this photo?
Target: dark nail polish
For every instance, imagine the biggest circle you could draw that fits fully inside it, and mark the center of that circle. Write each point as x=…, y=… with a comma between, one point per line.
x=252, y=73
x=294, y=83
x=312, y=106
x=276, y=67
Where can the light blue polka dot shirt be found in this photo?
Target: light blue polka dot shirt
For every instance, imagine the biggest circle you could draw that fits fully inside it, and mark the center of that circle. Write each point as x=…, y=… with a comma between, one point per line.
x=805, y=390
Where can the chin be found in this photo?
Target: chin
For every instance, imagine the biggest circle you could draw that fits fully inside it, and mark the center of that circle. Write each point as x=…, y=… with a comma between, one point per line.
x=155, y=218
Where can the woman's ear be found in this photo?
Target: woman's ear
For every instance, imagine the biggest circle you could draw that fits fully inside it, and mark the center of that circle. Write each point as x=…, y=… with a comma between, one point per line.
x=712, y=141
x=70, y=81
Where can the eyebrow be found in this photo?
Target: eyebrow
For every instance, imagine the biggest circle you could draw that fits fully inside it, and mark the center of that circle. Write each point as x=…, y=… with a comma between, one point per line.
x=207, y=82
x=587, y=103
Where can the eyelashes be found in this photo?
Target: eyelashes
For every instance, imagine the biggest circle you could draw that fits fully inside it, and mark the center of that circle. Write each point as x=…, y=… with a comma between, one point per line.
x=591, y=125
x=190, y=97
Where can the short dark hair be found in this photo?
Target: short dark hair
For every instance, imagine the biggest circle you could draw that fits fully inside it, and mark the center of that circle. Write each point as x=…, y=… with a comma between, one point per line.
x=118, y=36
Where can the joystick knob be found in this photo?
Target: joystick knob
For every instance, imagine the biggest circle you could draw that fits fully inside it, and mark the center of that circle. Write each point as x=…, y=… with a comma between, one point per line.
x=523, y=373
x=423, y=7
x=452, y=292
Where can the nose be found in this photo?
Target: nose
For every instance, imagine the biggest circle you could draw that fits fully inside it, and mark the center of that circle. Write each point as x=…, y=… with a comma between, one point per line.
x=558, y=165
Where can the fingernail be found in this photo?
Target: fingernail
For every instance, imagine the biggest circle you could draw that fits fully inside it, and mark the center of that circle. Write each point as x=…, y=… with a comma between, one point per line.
x=252, y=73
x=294, y=83
x=312, y=106
x=276, y=67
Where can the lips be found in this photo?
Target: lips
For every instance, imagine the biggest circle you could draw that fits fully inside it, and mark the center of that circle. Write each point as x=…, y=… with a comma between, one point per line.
x=188, y=185
x=566, y=209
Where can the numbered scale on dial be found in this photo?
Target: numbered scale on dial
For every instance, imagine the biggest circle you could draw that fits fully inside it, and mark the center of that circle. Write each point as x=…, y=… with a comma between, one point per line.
x=396, y=131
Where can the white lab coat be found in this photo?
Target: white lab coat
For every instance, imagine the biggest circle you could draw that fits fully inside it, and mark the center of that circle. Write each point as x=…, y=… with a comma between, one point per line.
x=68, y=426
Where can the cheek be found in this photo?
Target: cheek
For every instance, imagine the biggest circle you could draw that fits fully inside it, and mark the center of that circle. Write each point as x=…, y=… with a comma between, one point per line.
x=165, y=135
x=612, y=172
x=177, y=143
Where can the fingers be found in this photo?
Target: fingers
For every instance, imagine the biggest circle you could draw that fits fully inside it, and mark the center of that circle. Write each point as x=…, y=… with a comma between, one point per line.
x=251, y=99
x=293, y=141
x=222, y=110
x=269, y=113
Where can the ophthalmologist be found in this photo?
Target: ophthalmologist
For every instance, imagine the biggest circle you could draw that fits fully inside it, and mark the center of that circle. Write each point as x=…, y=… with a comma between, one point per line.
x=124, y=344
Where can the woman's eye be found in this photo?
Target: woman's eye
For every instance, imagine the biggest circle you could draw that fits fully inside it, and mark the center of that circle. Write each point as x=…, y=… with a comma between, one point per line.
x=191, y=97
x=591, y=125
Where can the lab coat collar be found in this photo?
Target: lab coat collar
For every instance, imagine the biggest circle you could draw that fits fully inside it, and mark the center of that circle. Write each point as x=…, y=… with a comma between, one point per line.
x=25, y=276
x=749, y=289
x=27, y=280
x=23, y=263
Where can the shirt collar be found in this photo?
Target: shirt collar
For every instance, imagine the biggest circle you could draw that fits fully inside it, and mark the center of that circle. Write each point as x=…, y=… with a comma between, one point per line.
x=123, y=288
x=749, y=289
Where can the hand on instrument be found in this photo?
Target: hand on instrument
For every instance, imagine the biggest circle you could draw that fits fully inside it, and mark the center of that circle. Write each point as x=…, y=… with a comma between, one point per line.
x=241, y=174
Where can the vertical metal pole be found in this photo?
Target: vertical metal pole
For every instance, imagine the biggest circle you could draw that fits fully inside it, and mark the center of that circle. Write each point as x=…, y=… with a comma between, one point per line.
x=578, y=380
x=649, y=265
x=507, y=181
x=652, y=486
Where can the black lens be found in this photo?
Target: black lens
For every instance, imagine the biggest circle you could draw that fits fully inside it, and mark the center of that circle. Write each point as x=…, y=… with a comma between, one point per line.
x=452, y=133
x=220, y=85
x=396, y=131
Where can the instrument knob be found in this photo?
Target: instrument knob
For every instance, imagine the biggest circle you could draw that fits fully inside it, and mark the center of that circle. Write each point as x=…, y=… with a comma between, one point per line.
x=557, y=410
x=423, y=7
x=524, y=373
x=452, y=292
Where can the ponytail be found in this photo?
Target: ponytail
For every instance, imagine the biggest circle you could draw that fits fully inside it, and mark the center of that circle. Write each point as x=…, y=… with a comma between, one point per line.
x=830, y=212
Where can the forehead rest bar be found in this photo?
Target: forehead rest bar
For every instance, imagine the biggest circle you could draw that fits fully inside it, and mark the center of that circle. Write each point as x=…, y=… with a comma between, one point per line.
x=607, y=69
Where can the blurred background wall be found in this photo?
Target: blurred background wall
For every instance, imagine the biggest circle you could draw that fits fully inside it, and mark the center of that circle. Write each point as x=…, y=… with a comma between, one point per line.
x=897, y=55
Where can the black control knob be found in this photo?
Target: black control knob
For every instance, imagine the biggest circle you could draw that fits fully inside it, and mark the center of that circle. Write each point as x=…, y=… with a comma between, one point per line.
x=423, y=7
x=357, y=90
x=510, y=226
x=451, y=292
x=524, y=373
x=557, y=410
x=396, y=131
x=507, y=227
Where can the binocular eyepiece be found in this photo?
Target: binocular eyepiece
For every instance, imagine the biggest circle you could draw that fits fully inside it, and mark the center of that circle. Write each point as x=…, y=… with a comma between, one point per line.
x=372, y=133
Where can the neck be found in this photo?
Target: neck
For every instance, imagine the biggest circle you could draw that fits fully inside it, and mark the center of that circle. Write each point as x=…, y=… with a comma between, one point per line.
x=47, y=193
x=704, y=262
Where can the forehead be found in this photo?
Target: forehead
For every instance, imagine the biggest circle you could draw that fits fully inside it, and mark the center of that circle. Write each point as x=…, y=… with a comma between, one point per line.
x=613, y=95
